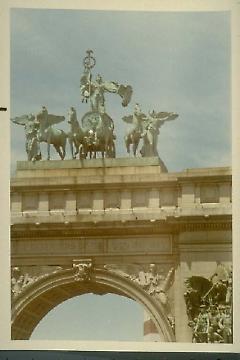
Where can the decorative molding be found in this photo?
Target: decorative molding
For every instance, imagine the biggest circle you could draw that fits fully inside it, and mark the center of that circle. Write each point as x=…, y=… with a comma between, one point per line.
x=83, y=269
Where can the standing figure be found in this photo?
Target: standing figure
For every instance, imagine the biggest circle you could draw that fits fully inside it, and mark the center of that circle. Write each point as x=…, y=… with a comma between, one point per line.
x=95, y=91
x=202, y=326
x=150, y=134
x=31, y=128
x=97, y=120
x=225, y=324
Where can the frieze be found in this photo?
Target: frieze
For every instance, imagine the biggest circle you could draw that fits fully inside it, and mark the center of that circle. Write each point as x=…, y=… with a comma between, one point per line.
x=48, y=246
x=162, y=244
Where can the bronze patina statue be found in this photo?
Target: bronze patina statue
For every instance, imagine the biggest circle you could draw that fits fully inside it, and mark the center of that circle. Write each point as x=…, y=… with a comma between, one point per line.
x=49, y=134
x=95, y=90
x=31, y=127
x=39, y=129
x=96, y=132
x=145, y=127
x=209, y=307
x=99, y=124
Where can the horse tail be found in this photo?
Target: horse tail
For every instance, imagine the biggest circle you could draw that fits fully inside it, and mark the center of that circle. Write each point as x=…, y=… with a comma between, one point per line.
x=63, y=144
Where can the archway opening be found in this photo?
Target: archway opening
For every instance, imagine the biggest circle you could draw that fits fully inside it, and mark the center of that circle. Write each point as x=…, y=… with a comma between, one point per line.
x=92, y=317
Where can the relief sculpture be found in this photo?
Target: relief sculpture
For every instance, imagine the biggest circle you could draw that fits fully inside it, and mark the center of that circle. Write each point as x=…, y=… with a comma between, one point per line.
x=21, y=278
x=209, y=307
x=82, y=269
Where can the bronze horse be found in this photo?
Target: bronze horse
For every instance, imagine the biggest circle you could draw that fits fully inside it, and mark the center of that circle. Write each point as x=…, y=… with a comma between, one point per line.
x=52, y=136
x=134, y=134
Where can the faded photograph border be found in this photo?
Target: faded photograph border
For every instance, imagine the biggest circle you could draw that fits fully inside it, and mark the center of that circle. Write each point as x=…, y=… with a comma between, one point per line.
x=5, y=342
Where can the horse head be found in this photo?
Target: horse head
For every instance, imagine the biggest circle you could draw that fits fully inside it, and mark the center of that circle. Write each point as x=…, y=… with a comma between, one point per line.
x=72, y=120
x=72, y=116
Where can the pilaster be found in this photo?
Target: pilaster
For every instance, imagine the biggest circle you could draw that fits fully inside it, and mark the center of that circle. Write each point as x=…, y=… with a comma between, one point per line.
x=43, y=205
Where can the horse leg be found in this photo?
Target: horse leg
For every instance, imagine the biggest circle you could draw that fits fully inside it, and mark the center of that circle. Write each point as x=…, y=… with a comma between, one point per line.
x=71, y=147
x=127, y=143
x=150, y=144
x=48, y=150
x=76, y=143
x=64, y=147
x=57, y=148
x=135, y=145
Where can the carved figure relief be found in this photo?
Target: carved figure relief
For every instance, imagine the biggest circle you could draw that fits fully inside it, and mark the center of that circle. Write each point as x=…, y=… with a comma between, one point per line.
x=20, y=279
x=209, y=306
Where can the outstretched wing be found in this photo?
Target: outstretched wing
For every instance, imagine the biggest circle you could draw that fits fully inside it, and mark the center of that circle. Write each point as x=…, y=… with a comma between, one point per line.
x=166, y=115
x=55, y=119
x=20, y=120
x=200, y=284
x=128, y=119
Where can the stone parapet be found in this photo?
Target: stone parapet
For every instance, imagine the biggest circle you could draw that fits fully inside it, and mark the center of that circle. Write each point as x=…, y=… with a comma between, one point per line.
x=116, y=190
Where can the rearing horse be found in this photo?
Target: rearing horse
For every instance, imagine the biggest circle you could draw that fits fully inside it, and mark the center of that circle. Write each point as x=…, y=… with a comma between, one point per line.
x=47, y=133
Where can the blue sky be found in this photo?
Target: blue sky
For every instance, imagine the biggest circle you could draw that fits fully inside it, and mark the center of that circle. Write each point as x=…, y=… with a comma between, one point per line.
x=93, y=317
x=174, y=61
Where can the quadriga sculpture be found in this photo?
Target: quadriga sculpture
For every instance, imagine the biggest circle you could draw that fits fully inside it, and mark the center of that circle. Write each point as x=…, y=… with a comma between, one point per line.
x=95, y=135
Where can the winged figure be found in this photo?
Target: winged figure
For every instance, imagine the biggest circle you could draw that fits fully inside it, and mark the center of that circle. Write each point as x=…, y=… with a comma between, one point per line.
x=40, y=128
x=147, y=128
x=31, y=128
x=49, y=134
x=152, y=123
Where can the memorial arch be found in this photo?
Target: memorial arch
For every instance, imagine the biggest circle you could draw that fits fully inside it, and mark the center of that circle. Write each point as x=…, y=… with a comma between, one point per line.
x=119, y=226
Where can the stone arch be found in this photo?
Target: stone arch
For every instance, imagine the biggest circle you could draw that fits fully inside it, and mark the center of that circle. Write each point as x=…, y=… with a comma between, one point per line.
x=48, y=291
